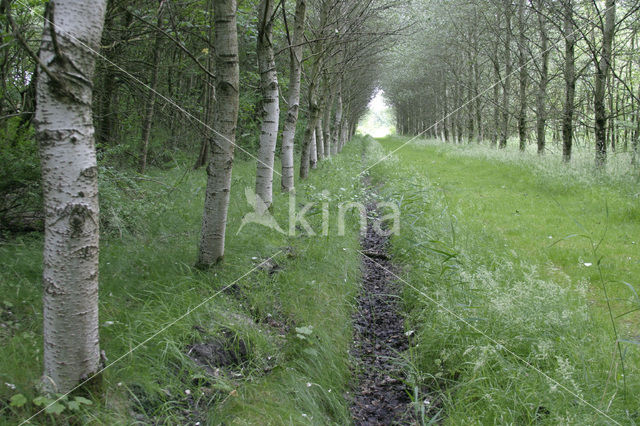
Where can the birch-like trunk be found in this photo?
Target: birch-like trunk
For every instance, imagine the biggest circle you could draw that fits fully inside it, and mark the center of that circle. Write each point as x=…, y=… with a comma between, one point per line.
x=344, y=132
x=295, y=72
x=319, y=140
x=337, y=123
x=313, y=150
x=506, y=85
x=270, y=103
x=216, y=203
x=523, y=77
x=541, y=99
x=65, y=132
x=570, y=81
x=312, y=122
x=326, y=123
x=603, y=67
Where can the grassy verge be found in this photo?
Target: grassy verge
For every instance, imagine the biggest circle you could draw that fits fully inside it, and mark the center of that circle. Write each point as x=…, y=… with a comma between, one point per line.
x=273, y=373
x=512, y=328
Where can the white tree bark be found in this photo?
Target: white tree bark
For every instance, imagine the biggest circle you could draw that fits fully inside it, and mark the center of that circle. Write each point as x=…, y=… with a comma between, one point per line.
x=312, y=121
x=270, y=103
x=65, y=132
x=344, y=134
x=326, y=123
x=216, y=203
x=337, y=123
x=289, y=131
x=313, y=153
x=319, y=140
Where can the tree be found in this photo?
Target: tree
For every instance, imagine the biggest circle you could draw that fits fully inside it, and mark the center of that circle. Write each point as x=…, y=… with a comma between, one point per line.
x=64, y=128
x=216, y=205
x=541, y=97
x=603, y=67
x=153, y=85
x=506, y=82
x=569, y=80
x=270, y=102
x=295, y=73
x=523, y=76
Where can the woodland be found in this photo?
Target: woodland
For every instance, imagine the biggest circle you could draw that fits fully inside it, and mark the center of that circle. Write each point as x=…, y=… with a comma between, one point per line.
x=320, y=212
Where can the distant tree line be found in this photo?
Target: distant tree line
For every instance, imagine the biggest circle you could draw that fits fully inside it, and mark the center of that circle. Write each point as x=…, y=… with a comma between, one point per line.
x=535, y=70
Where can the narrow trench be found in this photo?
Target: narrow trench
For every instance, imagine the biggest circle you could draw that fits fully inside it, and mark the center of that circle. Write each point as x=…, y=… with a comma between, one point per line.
x=380, y=396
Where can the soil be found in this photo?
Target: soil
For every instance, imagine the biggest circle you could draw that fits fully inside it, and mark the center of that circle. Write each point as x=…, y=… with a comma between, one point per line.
x=381, y=397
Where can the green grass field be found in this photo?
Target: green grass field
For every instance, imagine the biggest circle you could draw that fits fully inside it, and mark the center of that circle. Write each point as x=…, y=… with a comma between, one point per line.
x=504, y=296
x=503, y=248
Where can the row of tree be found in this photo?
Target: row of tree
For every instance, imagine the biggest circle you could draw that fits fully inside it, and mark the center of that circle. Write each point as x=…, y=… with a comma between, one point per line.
x=488, y=70
x=189, y=62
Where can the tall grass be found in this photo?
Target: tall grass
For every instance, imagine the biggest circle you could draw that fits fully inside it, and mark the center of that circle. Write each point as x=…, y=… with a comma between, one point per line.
x=151, y=229
x=501, y=331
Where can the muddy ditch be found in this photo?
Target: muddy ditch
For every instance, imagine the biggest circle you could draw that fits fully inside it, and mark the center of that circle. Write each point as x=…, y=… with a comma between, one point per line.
x=381, y=396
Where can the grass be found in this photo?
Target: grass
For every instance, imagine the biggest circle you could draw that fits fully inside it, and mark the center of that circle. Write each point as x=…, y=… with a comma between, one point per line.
x=150, y=235
x=509, y=324
x=506, y=295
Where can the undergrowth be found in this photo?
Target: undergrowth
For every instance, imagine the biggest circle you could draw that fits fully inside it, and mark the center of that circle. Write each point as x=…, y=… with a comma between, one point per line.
x=272, y=348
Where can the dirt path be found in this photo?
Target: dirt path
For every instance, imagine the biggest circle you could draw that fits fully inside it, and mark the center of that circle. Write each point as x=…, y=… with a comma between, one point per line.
x=380, y=397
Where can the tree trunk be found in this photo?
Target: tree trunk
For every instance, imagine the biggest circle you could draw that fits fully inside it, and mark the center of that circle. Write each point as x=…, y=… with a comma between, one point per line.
x=216, y=203
x=602, y=72
x=541, y=99
x=65, y=132
x=337, y=122
x=312, y=122
x=636, y=137
x=570, y=81
x=326, y=122
x=153, y=84
x=506, y=85
x=270, y=103
x=344, y=134
x=295, y=72
x=319, y=139
x=445, y=110
x=313, y=150
x=523, y=77
x=210, y=93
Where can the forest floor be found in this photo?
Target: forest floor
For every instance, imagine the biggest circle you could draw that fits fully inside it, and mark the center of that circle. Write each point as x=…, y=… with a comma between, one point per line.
x=497, y=315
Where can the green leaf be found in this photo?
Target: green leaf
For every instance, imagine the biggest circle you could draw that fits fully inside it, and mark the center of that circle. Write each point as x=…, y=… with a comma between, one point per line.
x=81, y=400
x=42, y=400
x=55, y=408
x=73, y=405
x=18, y=400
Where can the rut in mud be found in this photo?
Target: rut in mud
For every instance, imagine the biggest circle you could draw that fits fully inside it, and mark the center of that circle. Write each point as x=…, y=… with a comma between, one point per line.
x=381, y=396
